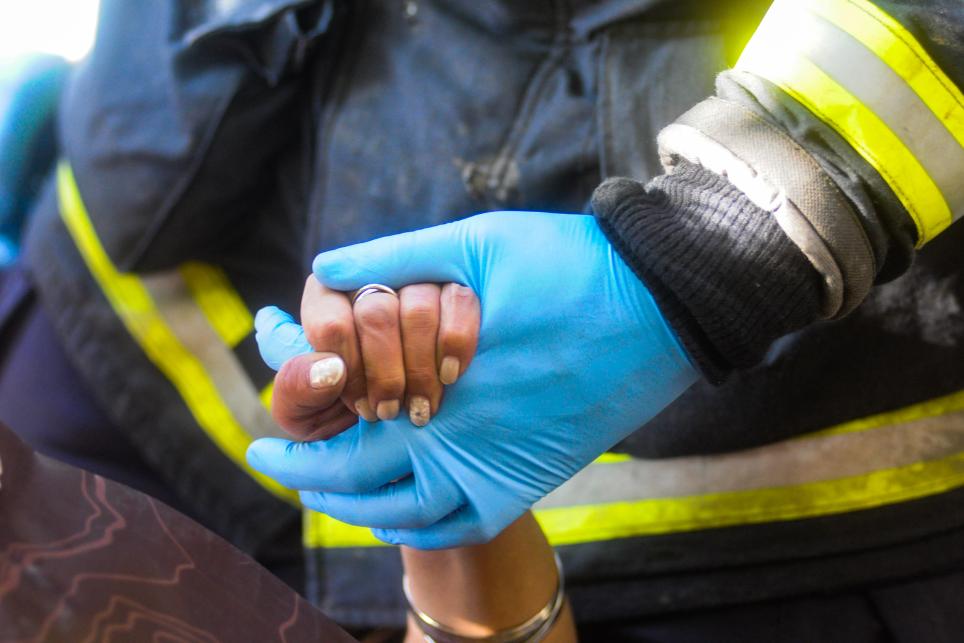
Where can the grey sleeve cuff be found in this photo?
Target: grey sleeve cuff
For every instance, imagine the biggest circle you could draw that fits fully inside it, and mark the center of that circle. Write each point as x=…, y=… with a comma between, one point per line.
x=781, y=178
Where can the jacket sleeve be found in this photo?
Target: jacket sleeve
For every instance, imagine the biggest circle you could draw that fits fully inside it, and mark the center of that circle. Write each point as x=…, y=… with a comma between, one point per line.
x=828, y=156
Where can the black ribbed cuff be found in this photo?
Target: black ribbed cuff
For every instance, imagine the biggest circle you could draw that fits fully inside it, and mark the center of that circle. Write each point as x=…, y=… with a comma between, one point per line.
x=725, y=276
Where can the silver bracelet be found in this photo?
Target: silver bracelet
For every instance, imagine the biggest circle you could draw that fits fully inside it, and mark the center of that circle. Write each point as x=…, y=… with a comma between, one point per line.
x=532, y=631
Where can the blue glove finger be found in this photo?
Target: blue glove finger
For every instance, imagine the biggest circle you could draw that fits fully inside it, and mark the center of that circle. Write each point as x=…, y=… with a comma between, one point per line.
x=279, y=336
x=430, y=255
x=460, y=528
x=363, y=458
x=398, y=505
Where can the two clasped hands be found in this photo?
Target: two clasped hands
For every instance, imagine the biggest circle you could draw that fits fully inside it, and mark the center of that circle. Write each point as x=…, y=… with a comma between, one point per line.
x=572, y=355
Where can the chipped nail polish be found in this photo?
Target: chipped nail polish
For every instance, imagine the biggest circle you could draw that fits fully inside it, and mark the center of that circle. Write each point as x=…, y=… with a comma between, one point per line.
x=419, y=410
x=326, y=372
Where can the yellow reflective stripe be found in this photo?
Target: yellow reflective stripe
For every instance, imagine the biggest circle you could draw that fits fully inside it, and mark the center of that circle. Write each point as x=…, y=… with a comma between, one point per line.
x=266, y=394
x=218, y=300
x=773, y=54
x=136, y=309
x=879, y=146
x=608, y=521
x=586, y=523
x=612, y=458
x=319, y=530
x=893, y=44
x=573, y=525
x=931, y=408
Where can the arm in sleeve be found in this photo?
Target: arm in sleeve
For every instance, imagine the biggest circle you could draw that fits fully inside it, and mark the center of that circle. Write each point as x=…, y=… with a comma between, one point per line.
x=831, y=153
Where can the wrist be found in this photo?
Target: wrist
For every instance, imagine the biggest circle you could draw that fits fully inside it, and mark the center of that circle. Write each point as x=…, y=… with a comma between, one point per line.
x=491, y=586
x=486, y=590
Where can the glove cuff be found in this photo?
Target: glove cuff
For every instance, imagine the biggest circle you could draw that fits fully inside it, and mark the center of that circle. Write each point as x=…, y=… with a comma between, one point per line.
x=725, y=275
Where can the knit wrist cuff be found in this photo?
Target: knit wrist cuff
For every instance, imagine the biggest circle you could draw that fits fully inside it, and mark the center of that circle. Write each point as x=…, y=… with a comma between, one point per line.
x=726, y=277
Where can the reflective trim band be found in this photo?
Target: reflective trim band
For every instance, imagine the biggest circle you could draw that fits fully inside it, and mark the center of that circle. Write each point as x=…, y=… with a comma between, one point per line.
x=192, y=328
x=135, y=307
x=911, y=453
x=608, y=521
x=774, y=466
x=938, y=407
x=849, y=64
x=588, y=523
x=219, y=301
x=612, y=458
x=904, y=112
x=321, y=531
x=894, y=45
x=266, y=394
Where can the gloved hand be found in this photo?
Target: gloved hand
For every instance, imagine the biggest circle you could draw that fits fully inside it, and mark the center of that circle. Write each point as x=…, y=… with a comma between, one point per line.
x=573, y=356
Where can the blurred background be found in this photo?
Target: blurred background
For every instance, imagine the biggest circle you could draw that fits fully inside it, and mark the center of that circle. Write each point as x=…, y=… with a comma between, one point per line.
x=63, y=28
x=39, y=40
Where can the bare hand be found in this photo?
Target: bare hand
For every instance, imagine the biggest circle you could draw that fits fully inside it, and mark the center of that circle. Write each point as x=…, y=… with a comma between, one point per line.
x=374, y=359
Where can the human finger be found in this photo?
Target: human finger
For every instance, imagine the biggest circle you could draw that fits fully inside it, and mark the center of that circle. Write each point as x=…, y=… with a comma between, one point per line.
x=419, y=318
x=305, y=401
x=458, y=335
x=380, y=339
x=329, y=325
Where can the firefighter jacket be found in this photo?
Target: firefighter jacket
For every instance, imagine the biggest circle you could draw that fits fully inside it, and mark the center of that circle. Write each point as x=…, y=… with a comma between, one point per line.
x=210, y=150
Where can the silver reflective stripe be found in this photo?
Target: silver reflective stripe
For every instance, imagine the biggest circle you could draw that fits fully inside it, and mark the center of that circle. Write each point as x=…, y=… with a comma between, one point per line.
x=862, y=73
x=784, y=464
x=187, y=321
x=876, y=85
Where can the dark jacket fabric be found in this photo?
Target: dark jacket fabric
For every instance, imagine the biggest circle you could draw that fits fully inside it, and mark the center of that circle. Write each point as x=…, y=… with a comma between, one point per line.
x=255, y=137
x=726, y=323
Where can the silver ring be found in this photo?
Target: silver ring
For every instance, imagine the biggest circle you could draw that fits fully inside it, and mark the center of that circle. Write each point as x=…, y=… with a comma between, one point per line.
x=371, y=289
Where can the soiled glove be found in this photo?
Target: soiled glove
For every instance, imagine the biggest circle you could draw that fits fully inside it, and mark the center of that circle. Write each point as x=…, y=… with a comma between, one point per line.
x=573, y=356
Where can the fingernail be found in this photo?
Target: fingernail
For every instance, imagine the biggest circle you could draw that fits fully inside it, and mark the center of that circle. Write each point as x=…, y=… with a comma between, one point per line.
x=387, y=409
x=326, y=372
x=365, y=410
x=449, y=372
x=419, y=410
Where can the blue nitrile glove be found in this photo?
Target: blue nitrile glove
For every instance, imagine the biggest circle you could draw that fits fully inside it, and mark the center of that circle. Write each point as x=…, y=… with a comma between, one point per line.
x=279, y=336
x=573, y=356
